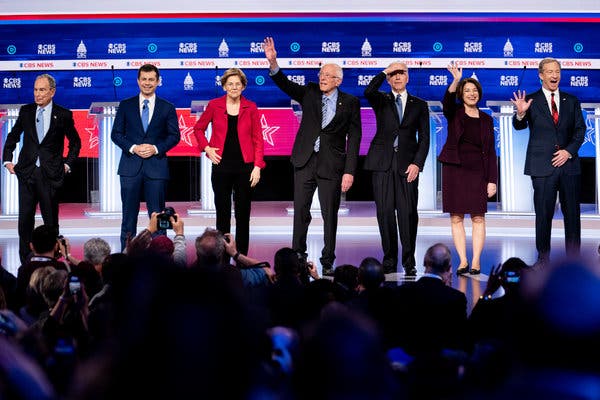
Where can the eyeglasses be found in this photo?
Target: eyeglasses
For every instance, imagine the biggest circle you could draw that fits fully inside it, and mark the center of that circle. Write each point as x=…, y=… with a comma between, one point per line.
x=328, y=76
x=234, y=84
x=396, y=72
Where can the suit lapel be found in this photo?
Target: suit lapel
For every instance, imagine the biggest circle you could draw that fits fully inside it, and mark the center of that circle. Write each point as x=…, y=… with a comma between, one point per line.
x=339, y=107
x=542, y=105
x=392, y=100
x=154, y=113
x=53, y=119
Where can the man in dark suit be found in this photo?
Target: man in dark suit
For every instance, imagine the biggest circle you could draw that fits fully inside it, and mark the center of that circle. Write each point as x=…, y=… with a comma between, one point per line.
x=396, y=156
x=436, y=313
x=40, y=168
x=325, y=151
x=145, y=128
x=556, y=132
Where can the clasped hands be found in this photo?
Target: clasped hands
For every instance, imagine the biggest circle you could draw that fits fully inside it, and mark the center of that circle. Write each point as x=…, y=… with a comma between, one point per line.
x=144, y=150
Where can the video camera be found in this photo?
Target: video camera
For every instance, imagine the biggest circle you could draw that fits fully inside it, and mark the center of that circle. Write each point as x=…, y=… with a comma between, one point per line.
x=163, y=220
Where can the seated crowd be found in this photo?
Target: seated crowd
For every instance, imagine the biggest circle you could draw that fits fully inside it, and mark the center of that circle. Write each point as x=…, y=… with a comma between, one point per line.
x=149, y=323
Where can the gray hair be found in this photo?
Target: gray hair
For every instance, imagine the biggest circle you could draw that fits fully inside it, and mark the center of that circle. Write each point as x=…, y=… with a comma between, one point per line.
x=338, y=70
x=95, y=250
x=50, y=78
x=546, y=61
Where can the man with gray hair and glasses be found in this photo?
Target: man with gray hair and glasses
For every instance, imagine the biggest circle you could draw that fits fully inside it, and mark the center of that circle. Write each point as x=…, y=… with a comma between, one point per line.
x=325, y=152
x=41, y=167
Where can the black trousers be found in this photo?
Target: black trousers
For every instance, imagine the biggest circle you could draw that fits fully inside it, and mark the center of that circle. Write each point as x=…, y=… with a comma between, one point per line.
x=33, y=191
x=226, y=182
x=396, y=203
x=306, y=181
x=545, y=189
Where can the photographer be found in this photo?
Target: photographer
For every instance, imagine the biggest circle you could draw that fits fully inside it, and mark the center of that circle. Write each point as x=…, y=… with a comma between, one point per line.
x=492, y=314
x=212, y=248
x=147, y=240
x=45, y=247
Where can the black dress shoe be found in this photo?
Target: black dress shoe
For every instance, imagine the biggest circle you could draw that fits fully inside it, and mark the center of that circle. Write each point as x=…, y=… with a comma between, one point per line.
x=463, y=270
x=475, y=271
x=410, y=271
x=327, y=270
x=389, y=269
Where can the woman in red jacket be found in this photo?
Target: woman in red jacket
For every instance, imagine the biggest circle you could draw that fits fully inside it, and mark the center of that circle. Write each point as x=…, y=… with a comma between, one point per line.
x=236, y=151
x=469, y=165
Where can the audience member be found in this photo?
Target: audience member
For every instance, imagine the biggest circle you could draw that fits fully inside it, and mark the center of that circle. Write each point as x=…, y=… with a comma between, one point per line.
x=212, y=250
x=287, y=298
x=147, y=240
x=435, y=314
x=345, y=278
x=343, y=358
x=35, y=304
x=8, y=284
x=45, y=248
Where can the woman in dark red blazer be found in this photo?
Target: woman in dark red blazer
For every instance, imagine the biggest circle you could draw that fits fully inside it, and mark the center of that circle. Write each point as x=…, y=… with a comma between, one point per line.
x=469, y=166
x=236, y=151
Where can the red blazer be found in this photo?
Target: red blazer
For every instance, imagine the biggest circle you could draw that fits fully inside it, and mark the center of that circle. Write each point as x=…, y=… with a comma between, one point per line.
x=249, y=130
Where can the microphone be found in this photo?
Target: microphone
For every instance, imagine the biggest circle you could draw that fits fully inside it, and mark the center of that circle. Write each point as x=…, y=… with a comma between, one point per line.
x=112, y=70
x=216, y=86
x=521, y=78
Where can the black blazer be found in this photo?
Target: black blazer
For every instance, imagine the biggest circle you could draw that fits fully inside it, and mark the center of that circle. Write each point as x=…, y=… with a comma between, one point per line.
x=435, y=316
x=340, y=139
x=544, y=136
x=50, y=150
x=413, y=132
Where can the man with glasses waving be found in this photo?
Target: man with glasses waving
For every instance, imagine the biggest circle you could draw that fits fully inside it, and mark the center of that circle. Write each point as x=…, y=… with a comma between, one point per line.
x=325, y=151
x=396, y=156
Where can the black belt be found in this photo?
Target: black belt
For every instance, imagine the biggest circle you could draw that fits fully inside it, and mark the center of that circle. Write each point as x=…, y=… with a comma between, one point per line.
x=396, y=149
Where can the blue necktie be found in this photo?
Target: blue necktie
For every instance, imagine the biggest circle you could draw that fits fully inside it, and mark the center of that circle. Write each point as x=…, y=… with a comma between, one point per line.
x=145, y=114
x=399, y=108
x=324, y=121
x=39, y=126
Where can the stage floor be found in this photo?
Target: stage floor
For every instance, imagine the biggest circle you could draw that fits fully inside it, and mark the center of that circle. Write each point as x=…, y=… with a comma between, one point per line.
x=358, y=235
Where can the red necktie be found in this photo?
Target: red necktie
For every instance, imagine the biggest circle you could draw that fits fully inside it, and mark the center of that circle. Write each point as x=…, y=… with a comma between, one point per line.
x=554, y=109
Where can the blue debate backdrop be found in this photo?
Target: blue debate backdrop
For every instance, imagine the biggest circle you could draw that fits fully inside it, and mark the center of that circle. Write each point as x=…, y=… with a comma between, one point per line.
x=96, y=59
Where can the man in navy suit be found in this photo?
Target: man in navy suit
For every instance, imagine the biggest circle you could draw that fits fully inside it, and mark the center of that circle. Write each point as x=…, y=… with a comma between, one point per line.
x=557, y=130
x=396, y=156
x=40, y=168
x=325, y=152
x=145, y=128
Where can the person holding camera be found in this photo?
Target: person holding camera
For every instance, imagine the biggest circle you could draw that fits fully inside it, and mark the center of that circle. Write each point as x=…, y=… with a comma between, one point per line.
x=45, y=248
x=236, y=151
x=213, y=250
x=161, y=244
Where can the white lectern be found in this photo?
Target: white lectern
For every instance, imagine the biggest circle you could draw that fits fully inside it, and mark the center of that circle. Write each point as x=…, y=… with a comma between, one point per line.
x=109, y=155
x=427, y=201
x=9, y=184
x=207, y=197
x=593, y=114
x=516, y=190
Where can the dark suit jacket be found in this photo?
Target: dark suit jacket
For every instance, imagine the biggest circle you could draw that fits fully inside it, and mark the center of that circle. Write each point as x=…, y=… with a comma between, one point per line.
x=413, y=132
x=248, y=127
x=50, y=150
x=450, y=154
x=544, y=136
x=435, y=316
x=163, y=132
x=336, y=156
